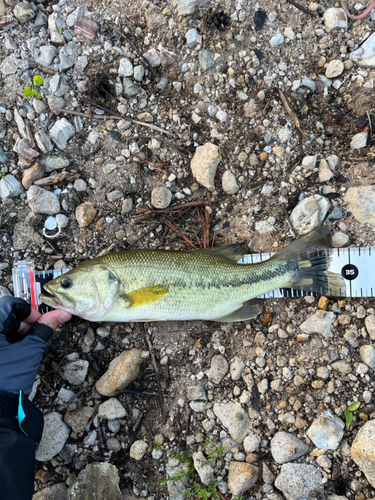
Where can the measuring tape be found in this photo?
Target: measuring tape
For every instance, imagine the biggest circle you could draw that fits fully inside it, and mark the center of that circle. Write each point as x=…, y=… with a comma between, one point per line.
x=354, y=265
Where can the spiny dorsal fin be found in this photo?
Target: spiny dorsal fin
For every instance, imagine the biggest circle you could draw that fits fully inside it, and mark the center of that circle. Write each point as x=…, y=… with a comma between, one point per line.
x=232, y=252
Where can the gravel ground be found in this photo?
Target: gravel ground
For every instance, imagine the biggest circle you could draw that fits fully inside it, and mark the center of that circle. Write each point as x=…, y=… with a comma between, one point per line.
x=184, y=124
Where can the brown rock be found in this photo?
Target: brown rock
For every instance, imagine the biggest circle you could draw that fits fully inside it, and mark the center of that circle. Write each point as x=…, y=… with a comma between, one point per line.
x=79, y=418
x=86, y=29
x=32, y=174
x=56, y=492
x=363, y=451
x=323, y=303
x=242, y=477
x=28, y=155
x=121, y=372
x=145, y=117
x=85, y=213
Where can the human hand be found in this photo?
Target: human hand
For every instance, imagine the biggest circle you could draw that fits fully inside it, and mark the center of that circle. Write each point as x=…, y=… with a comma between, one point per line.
x=18, y=318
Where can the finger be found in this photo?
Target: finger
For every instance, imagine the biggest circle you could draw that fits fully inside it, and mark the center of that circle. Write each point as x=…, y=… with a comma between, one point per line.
x=33, y=318
x=55, y=318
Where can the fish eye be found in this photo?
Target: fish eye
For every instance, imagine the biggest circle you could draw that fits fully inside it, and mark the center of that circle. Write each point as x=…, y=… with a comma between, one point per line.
x=66, y=283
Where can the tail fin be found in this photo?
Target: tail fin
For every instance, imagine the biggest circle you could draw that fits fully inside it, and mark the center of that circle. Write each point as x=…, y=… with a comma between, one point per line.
x=309, y=263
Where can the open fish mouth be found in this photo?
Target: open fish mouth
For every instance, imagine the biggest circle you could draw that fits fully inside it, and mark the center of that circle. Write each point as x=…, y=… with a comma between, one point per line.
x=50, y=300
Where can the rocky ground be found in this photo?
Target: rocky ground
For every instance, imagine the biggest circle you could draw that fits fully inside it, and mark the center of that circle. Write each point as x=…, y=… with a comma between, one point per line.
x=183, y=124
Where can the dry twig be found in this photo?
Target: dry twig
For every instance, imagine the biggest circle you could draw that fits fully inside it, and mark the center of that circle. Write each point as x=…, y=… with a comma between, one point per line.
x=300, y=7
x=157, y=376
x=291, y=113
x=289, y=221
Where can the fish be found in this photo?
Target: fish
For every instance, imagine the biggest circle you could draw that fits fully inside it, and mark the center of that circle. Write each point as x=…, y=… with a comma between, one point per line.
x=207, y=284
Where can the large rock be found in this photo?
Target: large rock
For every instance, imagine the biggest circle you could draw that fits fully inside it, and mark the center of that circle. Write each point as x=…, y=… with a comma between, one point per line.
x=327, y=431
x=365, y=55
x=285, y=447
x=234, y=418
x=361, y=203
x=335, y=18
x=55, y=434
x=204, y=469
x=122, y=371
x=42, y=201
x=204, y=164
x=241, y=477
x=297, y=481
x=321, y=323
x=363, y=451
x=24, y=235
x=309, y=213
x=96, y=481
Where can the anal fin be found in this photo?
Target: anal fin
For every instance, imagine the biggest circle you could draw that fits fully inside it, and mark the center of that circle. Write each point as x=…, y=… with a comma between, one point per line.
x=248, y=310
x=147, y=295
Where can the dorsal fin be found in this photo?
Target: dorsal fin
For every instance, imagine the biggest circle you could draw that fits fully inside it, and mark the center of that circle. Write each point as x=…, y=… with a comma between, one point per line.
x=232, y=252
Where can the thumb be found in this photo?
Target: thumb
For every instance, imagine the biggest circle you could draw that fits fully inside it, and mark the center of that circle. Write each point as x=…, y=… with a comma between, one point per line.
x=55, y=318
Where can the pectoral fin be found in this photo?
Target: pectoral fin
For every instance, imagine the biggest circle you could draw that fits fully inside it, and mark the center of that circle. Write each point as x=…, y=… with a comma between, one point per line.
x=248, y=310
x=146, y=296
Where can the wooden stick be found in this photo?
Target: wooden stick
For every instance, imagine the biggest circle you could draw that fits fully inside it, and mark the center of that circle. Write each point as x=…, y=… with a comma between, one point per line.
x=289, y=221
x=300, y=7
x=291, y=113
x=157, y=376
x=48, y=71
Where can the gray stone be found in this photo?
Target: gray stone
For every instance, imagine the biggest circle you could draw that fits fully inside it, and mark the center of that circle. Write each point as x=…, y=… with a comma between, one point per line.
x=206, y=60
x=251, y=443
x=58, y=85
x=237, y=366
x=361, y=203
x=277, y=40
x=153, y=57
x=113, y=444
x=167, y=57
x=285, y=447
x=20, y=123
x=309, y=162
x=307, y=82
x=3, y=157
x=39, y=106
x=10, y=187
x=130, y=89
x=175, y=487
x=55, y=27
x=79, y=418
x=161, y=197
x=111, y=409
x=138, y=449
x=68, y=55
x=139, y=73
x=23, y=12
x=370, y=325
x=154, y=20
x=219, y=368
x=310, y=213
x=234, y=418
x=44, y=142
x=78, y=12
x=42, y=201
x=11, y=65
x=326, y=431
x=188, y=7
x=363, y=450
x=24, y=235
x=162, y=83
x=75, y=371
x=51, y=163
x=196, y=392
x=45, y=54
x=229, y=183
x=125, y=68
x=204, y=469
x=55, y=103
x=321, y=323
x=127, y=206
x=297, y=481
x=192, y=38
x=61, y=132
x=367, y=353
x=342, y=367
x=335, y=18
x=284, y=134
x=81, y=64
x=334, y=68
x=80, y=185
x=364, y=56
x=98, y=480
x=359, y=140
x=55, y=492
x=55, y=434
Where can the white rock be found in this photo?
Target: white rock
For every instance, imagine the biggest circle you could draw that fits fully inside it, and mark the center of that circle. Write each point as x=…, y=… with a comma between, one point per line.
x=310, y=213
x=251, y=443
x=161, y=197
x=277, y=40
x=192, y=38
x=75, y=371
x=285, y=447
x=325, y=173
x=297, y=481
x=55, y=434
x=335, y=18
x=332, y=161
x=61, y=132
x=359, y=140
x=364, y=56
x=321, y=323
x=367, y=353
x=42, y=201
x=111, y=409
x=326, y=431
x=361, y=203
x=204, y=164
x=229, y=183
x=363, y=450
x=234, y=418
x=289, y=33
x=334, y=68
x=138, y=449
x=204, y=469
x=309, y=162
x=284, y=134
x=10, y=187
x=339, y=240
x=125, y=68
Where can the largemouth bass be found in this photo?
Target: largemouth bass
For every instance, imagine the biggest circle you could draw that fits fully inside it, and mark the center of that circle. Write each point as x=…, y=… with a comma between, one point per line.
x=157, y=285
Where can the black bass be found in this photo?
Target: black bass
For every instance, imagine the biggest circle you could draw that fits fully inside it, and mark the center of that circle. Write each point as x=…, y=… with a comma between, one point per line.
x=160, y=285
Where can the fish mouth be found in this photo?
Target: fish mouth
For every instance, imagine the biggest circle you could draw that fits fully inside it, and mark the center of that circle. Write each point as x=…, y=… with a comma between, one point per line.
x=50, y=300
x=55, y=300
